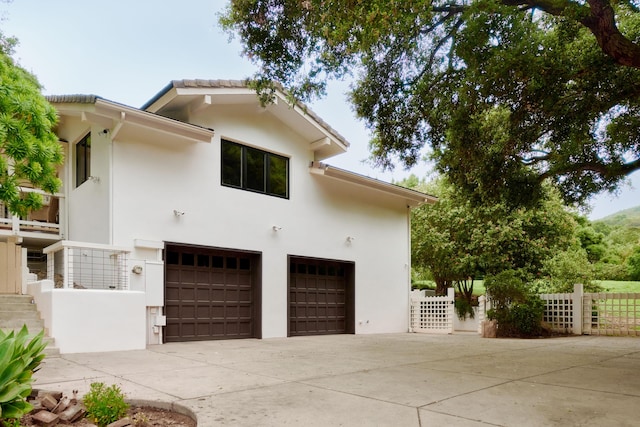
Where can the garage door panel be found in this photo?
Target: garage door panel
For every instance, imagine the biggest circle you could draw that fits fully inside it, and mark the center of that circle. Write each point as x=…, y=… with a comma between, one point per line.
x=187, y=293
x=187, y=311
x=203, y=312
x=211, y=294
x=173, y=275
x=244, y=295
x=218, y=295
x=203, y=294
x=187, y=276
x=203, y=277
x=317, y=303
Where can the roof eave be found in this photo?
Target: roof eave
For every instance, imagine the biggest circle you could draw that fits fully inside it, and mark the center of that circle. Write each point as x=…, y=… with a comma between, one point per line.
x=412, y=197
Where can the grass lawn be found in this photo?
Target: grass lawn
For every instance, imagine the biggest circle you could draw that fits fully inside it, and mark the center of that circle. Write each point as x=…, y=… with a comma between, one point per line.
x=619, y=286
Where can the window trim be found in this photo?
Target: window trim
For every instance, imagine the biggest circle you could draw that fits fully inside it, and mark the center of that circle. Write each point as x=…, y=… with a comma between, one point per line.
x=244, y=172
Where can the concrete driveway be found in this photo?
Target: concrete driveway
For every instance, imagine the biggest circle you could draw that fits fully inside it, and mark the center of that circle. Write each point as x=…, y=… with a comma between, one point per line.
x=375, y=380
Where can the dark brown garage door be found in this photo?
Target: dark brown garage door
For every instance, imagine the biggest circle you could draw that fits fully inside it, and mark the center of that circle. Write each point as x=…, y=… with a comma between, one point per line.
x=320, y=297
x=210, y=294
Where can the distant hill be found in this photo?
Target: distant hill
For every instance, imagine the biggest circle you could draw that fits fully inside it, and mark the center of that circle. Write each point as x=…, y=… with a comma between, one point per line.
x=626, y=218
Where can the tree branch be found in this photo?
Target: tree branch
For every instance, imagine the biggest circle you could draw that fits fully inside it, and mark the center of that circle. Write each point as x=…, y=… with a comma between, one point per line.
x=606, y=171
x=600, y=18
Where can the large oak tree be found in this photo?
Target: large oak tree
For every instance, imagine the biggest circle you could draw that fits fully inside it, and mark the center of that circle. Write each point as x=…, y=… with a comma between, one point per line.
x=505, y=93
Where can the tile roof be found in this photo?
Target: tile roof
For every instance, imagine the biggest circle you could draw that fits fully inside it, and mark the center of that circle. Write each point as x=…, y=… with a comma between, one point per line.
x=75, y=99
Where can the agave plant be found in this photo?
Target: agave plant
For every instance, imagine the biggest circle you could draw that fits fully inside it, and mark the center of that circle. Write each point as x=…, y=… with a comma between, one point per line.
x=20, y=357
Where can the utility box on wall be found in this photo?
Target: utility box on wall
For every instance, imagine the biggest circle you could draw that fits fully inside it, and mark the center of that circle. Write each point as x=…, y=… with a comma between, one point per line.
x=154, y=283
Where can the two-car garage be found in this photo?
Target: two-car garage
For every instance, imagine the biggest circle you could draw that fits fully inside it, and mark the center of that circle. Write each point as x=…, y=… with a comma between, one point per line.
x=213, y=293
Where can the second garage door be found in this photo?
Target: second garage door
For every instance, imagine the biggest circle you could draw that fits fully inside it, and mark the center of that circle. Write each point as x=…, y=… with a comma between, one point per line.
x=210, y=294
x=321, y=297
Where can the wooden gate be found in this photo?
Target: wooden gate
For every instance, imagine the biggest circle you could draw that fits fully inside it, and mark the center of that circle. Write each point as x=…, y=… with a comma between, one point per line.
x=10, y=267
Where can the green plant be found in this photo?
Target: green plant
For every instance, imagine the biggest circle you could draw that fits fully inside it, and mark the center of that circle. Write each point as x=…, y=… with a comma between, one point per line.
x=517, y=310
x=464, y=308
x=20, y=357
x=140, y=419
x=105, y=404
x=526, y=317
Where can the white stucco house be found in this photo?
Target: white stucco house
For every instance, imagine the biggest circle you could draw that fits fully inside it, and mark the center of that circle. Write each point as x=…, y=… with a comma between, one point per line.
x=204, y=215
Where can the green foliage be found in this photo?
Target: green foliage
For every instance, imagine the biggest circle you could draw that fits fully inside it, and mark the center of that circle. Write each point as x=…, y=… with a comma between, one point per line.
x=563, y=270
x=633, y=264
x=20, y=357
x=504, y=98
x=464, y=308
x=105, y=404
x=456, y=240
x=516, y=308
x=29, y=149
x=526, y=317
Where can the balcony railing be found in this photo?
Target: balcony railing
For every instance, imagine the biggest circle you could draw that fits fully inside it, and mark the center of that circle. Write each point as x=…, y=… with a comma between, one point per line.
x=81, y=265
x=45, y=220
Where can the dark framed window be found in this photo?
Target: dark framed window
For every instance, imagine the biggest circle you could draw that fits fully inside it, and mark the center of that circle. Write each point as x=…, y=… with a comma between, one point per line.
x=251, y=169
x=83, y=159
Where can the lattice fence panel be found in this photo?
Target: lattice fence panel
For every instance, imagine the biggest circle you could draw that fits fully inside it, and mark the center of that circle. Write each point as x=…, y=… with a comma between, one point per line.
x=611, y=314
x=432, y=314
x=558, y=312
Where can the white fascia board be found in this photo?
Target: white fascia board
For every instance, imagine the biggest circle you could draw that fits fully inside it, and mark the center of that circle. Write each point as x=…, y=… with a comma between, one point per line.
x=162, y=101
x=414, y=197
x=214, y=91
x=344, y=146
x=152, y=121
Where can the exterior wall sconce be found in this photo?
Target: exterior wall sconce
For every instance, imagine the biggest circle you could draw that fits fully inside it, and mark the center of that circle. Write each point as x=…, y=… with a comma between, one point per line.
x=178, y=213
x=276, y=228
x=137, y=269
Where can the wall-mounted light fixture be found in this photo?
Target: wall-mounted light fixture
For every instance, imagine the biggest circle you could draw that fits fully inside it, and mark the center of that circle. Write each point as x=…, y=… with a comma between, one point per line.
x=178, y=213
x=137, y=269
x=276, y=228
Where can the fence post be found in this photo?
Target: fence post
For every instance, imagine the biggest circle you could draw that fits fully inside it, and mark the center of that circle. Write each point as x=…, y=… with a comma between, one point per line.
x=451, y=294
x=481, y=312
x=578, y=292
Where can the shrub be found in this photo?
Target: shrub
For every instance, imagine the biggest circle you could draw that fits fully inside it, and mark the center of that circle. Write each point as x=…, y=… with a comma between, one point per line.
x=516, y=309
x=526, y=317
x=19, y=359
x=464, y=308
x=105, y=404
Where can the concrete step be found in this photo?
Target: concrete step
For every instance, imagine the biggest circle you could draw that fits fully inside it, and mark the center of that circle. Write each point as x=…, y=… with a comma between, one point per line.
x=16, y=314
x=12, y=298
x=33, y=326
x=17, y=306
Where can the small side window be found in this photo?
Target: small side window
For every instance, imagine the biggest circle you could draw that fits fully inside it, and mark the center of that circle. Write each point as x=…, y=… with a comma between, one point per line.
x=83, y=159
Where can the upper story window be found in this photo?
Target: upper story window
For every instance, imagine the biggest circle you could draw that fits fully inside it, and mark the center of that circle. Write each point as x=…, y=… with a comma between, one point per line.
x=83, y=159
x=254, y=170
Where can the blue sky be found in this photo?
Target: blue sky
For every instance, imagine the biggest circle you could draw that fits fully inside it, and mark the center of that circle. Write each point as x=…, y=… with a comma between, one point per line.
x=128, y=50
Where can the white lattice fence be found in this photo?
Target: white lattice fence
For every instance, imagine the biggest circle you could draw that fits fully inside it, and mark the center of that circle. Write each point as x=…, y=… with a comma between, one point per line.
x=432, y=314
x=559, y=312
x=611, y=314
